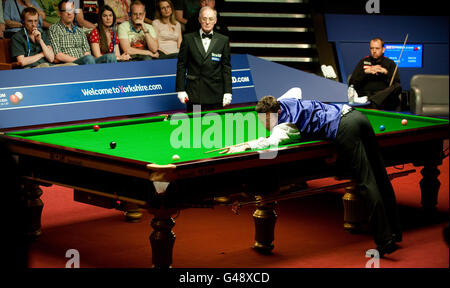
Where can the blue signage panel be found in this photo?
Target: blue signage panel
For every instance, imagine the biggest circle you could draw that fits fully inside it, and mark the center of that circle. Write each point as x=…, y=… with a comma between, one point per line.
x=61, y=94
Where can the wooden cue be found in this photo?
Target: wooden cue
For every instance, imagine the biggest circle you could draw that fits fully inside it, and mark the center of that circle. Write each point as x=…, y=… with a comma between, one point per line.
x=224, y=148
x=398, y=62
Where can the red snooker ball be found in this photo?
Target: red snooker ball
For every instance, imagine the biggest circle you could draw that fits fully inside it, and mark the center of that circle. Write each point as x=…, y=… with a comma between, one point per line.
x=96, y=128
x=14, y=99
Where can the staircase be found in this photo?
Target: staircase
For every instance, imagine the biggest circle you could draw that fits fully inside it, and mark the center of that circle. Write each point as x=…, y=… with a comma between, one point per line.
x=276, y=30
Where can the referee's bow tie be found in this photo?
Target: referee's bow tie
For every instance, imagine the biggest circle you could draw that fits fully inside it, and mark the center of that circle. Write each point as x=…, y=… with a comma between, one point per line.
x=206, y=36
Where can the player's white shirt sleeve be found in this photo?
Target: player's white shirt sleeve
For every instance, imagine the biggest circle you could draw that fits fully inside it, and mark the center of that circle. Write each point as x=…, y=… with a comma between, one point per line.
x=292, y=93
x=281, y=134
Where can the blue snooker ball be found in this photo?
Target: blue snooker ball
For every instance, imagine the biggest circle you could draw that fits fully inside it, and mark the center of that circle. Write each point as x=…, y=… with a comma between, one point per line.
x=382, y=128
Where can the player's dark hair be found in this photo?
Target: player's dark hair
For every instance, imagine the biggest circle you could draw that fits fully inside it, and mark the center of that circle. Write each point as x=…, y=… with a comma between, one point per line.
x=267, y=104
x=30, y=10
x=378, y=39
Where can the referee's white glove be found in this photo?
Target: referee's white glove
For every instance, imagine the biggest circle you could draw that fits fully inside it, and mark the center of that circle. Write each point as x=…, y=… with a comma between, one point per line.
x=227, y=99
x=183, y=97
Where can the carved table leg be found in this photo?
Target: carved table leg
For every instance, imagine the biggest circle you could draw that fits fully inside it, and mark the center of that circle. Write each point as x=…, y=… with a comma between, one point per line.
x=133, y=213
x=34, y=206
x=265, y=218
x=353, y=210
x=162, y=237
x=429, y=186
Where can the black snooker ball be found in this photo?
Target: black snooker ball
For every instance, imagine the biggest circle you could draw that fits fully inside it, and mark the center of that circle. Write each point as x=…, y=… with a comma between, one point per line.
x=112, y=145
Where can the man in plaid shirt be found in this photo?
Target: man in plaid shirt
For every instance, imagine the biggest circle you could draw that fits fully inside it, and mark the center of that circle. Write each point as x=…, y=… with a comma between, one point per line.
x=69, y=42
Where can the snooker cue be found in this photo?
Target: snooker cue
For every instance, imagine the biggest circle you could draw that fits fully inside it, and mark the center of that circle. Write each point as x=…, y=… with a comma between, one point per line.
x=396, y=66
x=224, y=148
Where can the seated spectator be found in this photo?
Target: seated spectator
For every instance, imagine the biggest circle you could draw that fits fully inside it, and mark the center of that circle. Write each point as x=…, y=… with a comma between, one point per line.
x=69, y=42
x=50, y=8
x=12, y=11
x=137, y=38
x=104, y=39
x=121, y=9
x=184, y=9
x=168, y=30
x=194, y=25
x=2, y=22
x=30, y=46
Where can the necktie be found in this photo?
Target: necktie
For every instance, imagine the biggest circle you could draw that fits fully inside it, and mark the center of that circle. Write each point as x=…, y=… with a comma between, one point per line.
x=206, y=36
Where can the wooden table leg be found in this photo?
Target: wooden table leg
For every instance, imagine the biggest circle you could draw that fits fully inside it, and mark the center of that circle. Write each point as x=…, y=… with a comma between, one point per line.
x=354, y=212
x=162, y=237
x=33, y=207
x=429, y=186
x=265, y=218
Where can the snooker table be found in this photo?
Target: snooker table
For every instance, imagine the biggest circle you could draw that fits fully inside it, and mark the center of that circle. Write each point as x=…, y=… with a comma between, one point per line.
x=140, y=171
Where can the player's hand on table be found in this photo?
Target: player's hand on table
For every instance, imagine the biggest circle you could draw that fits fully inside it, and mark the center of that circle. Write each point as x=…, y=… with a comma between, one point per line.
x=236, y=148
x=227, y=97
x=183, y=97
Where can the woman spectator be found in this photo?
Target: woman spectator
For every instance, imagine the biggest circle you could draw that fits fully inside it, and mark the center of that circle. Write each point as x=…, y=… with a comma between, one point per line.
x=103, y=39
x=168, y=30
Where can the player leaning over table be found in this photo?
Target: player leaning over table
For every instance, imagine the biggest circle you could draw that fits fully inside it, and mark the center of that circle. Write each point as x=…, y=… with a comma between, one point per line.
x=351, y=132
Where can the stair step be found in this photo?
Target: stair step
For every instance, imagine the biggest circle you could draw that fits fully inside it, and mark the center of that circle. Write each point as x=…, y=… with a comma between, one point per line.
x=269, y=29
x=287, y=59
x=279, y=7
x=271, y=45
x=265, y=15
x=266, y=1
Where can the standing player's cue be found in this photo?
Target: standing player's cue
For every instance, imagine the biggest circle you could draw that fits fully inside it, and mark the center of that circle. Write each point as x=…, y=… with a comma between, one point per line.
x=398, y=62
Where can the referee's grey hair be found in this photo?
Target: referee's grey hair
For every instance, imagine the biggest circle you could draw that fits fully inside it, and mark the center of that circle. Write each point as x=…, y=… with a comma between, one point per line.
x=207, y=8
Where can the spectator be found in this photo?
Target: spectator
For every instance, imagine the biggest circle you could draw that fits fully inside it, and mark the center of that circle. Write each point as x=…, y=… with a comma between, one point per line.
x=104, y=39
x=2, y=21
x=30, y=46
x=372, y=76
x=121, y=9
x=184, y=9
x=137, y=38
x=194, y=25
x=168, y=30
x=69, y=42
x=12, y=12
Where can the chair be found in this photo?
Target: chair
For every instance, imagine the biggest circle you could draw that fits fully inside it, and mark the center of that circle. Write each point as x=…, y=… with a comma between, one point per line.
x=429, y=95
x=6, y=62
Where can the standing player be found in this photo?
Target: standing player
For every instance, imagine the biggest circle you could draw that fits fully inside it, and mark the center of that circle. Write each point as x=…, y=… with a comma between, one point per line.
x=204, y=68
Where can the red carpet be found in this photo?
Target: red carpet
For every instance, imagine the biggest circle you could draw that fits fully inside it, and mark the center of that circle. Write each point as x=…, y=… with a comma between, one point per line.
x=309, y=233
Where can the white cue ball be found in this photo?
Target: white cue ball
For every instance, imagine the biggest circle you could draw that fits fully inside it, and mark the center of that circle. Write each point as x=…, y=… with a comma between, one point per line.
x=175, y=157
